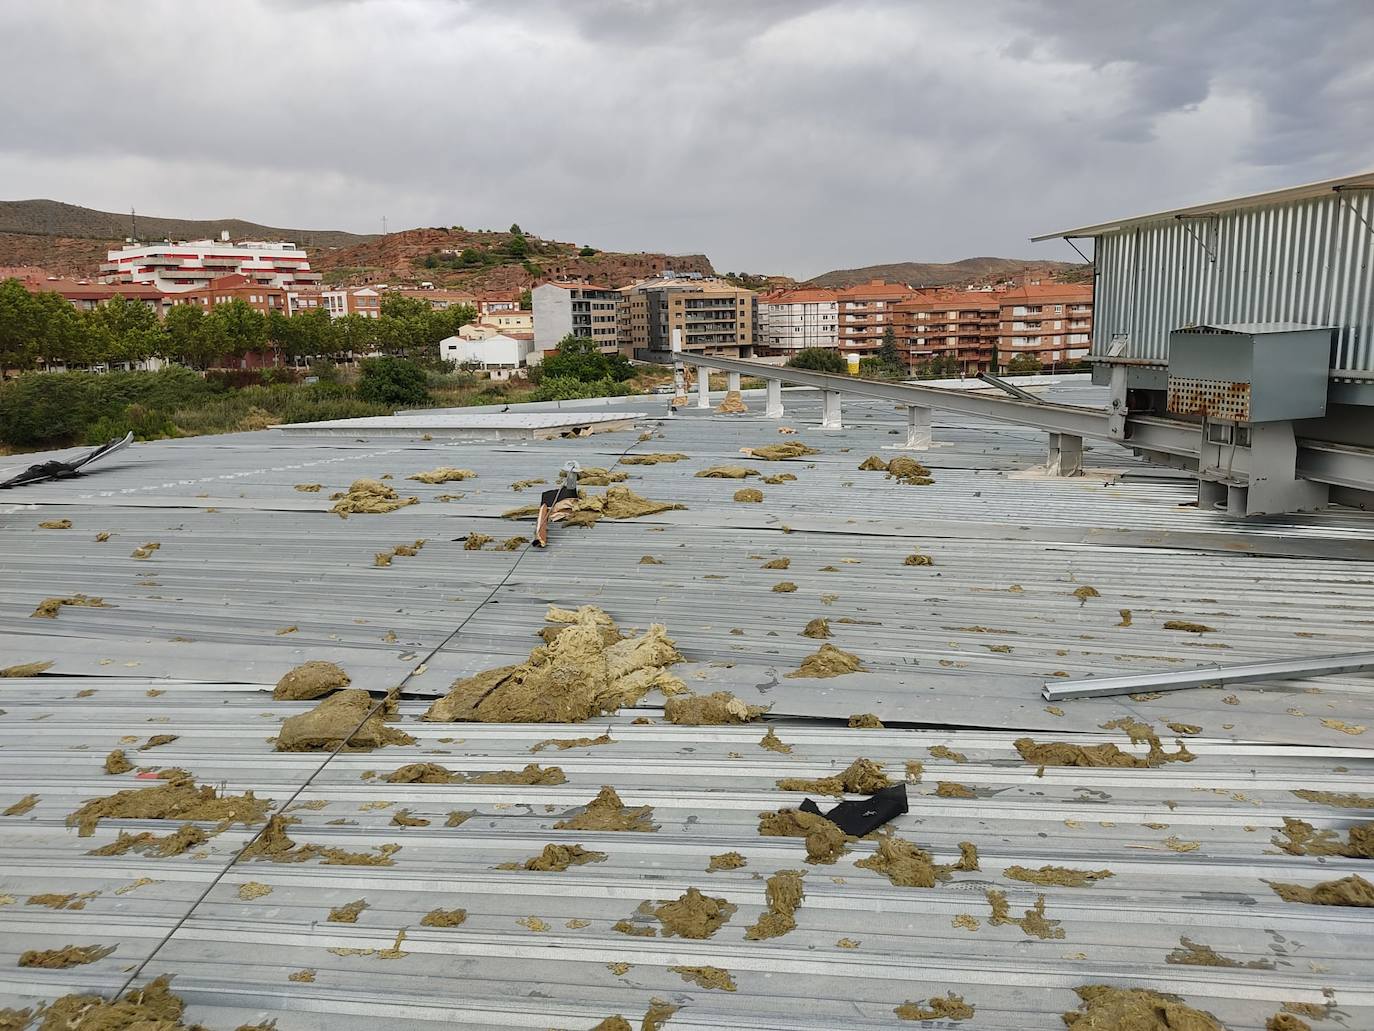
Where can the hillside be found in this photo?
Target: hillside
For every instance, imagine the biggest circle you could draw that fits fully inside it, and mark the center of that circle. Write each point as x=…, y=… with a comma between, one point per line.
x=487, y=260
x=64, y=255
x=969, y=270
x=53, y=218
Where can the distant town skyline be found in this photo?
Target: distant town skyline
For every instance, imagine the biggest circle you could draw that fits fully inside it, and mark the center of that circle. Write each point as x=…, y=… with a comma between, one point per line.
x=774, y=137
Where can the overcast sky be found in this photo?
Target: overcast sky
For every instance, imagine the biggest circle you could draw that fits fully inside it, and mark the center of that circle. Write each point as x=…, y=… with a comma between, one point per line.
x=789, y=136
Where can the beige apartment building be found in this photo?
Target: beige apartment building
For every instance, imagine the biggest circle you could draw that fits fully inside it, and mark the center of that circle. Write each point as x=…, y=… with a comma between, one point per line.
x=714, y=317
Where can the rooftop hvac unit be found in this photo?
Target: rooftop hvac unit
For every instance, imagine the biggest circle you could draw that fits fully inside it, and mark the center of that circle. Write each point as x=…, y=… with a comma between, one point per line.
x=1249, y=372
x=1247, y=383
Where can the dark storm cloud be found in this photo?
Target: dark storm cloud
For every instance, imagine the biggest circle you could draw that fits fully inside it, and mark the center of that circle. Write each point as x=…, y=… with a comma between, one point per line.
x=775, y=135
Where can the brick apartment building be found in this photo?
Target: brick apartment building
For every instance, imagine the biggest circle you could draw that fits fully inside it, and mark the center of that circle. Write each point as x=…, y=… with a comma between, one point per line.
x=962, y=324
x=790, y=320
x=865, y=311
x=1053, y=321
x=235, y=288
x=714, y=317
x=981, y=329
x=82, y=293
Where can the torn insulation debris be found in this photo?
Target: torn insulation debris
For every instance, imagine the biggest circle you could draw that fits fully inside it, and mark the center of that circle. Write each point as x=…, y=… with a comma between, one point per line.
x=588, y=669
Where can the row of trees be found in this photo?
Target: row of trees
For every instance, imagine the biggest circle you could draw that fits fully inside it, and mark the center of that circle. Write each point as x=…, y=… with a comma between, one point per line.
x=43, y=329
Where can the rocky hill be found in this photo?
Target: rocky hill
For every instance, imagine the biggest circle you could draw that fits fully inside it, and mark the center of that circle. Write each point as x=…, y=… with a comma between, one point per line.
x=64, y=255
x=72, y=241
x=54, y=219
x=969, y=270
x=489, y=260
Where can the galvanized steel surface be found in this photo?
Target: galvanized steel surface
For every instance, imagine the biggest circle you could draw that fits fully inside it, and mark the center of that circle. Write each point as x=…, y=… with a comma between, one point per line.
x=1305, y=261
x=956, y=653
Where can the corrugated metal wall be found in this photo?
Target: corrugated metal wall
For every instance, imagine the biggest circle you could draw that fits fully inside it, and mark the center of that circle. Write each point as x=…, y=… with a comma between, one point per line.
x=1309, y=261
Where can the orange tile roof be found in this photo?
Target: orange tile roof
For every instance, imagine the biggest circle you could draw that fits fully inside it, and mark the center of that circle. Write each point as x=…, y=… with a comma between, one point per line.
x=1072, y=292
x=942, y=299
x=876, y=290
x=578, y=286
x=805, y=295
x=71, y=289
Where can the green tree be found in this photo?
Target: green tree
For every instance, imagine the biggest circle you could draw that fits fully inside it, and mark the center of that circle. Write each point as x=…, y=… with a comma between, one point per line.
x=392, y=336
x=578, y=358
x=19, y=326
x=282, y=331
x=316, y=334
x=407, y=309
x=515, y=229
x=1025, y=362
x=234, y=329
x=518, y=248
x=61, y=335
x=940, y=366
x=451, y=319
x=588, y=251
x=392, y=381
x=818, y=359
x=124, y=331
x=184, y=328
x=887, y=350
x=526, y=300
x=357, y=334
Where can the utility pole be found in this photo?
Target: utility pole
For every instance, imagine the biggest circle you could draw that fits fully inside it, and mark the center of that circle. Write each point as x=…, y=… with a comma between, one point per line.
x=133, y=225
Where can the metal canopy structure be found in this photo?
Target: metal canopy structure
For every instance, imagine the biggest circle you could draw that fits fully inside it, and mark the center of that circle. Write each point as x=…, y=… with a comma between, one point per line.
x=1167, y=441
x=1289, y=194
x=1034, y=578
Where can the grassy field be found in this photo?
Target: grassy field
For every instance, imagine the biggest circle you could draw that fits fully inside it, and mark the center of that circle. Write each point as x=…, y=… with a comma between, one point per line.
x=39, y=411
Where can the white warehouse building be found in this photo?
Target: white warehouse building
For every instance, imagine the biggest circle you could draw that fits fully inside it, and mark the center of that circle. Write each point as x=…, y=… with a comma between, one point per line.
x=499, y=355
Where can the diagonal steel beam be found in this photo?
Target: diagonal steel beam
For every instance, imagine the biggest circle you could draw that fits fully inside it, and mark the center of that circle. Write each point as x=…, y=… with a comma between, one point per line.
x=1209, y=676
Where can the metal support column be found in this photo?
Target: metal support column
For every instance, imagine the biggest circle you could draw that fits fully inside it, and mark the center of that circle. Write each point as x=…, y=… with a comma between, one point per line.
x=1274, y=482
x=830, y=410
x=679, y=374
x=917, y=428
x=774, y=406
x=1066, y=455
x=1211, y=495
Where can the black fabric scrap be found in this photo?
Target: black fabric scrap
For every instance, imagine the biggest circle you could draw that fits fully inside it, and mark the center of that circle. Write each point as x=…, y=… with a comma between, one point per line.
x=864, y=815
x=553, y=497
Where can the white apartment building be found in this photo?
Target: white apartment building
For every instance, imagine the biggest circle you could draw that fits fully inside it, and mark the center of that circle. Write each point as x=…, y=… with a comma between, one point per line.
x=363, y=300
x=793, y=319
x=576, y=308
x=177, y=267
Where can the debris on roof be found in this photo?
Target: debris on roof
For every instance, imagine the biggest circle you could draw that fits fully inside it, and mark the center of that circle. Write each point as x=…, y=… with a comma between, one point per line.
x=1092, y=876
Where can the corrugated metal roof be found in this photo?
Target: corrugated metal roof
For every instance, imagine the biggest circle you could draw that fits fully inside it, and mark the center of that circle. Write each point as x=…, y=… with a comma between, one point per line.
x=198, y=623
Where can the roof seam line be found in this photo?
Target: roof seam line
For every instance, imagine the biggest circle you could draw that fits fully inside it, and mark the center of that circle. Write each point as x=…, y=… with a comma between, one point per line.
x=399, y=694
